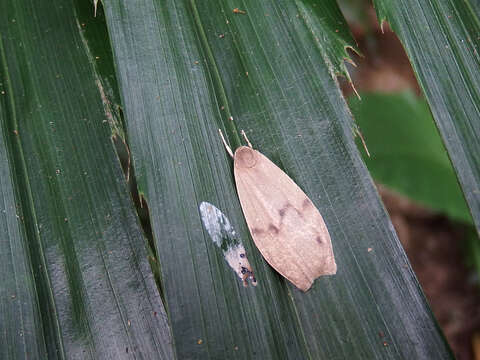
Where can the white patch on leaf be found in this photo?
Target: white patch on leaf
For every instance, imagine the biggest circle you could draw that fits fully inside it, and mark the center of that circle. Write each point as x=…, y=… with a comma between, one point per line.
x=224, y=236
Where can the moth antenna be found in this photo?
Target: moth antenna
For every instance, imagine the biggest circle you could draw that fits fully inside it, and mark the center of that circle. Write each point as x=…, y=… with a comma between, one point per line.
x=225, y=144
x=245, y=136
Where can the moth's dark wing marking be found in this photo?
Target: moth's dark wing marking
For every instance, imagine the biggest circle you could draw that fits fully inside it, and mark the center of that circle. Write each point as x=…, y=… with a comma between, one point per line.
x=273, y=228
x=283, y=211
x=257, y=231
x=306, y=203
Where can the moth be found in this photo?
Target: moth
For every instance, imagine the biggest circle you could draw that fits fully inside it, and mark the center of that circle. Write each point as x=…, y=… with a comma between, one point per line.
x=285, y=225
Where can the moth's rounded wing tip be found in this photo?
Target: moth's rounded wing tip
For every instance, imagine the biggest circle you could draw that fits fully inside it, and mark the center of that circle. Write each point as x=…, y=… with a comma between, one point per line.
x=327, y=269
x=304, y=288
x=303, y=284
x=332, y=268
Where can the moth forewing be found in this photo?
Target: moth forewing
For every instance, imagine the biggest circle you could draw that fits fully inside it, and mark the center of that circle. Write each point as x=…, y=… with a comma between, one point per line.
x=285, y=225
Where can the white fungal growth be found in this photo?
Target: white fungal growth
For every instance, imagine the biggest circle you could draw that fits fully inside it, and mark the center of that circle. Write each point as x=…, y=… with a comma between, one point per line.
x=225, y=237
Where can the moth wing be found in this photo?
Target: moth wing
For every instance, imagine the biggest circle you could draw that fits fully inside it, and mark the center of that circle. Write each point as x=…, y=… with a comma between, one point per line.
x=285, y=225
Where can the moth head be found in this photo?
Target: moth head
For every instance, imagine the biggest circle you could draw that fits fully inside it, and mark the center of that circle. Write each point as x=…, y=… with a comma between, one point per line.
x=245, y=157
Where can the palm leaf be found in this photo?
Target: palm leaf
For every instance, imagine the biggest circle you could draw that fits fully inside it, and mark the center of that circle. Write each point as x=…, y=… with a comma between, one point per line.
x=75, y=280
x=185, y=69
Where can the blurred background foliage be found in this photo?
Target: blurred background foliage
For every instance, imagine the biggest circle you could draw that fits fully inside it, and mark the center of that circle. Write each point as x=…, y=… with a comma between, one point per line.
x=407, y=153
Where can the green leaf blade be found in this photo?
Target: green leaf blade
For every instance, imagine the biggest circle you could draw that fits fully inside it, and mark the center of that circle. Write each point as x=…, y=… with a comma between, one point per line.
x=163, y=138
x=94, y=290
x=21, y=332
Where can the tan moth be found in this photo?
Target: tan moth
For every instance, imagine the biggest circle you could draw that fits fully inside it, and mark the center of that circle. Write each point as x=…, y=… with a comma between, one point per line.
x=285, y=225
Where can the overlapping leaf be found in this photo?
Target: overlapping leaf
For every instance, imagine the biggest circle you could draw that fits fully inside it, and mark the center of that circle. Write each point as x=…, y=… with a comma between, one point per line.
x=75, y=280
